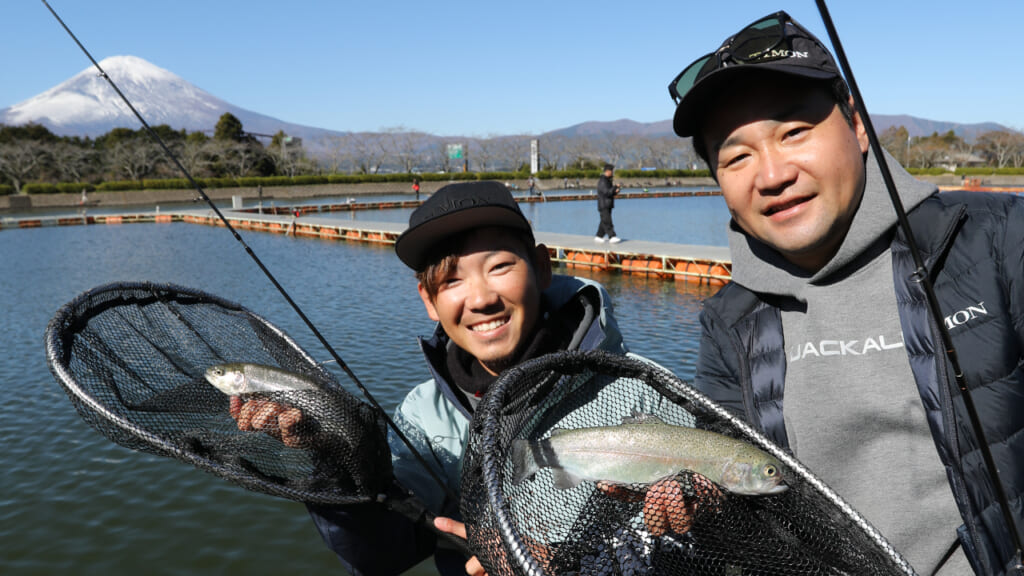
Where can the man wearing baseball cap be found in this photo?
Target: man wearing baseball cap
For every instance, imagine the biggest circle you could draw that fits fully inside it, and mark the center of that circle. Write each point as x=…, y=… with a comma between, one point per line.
x=823, y=340
x=490, y=288
x=606, y=193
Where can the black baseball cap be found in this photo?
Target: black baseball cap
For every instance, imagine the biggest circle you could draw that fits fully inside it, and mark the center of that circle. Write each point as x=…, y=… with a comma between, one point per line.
x=453, y=209
x=609, y=167
x=775, y=43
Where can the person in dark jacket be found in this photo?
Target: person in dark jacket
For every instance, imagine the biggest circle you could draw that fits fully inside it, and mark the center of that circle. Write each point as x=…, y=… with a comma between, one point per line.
x=823, y=340
x=606, y=192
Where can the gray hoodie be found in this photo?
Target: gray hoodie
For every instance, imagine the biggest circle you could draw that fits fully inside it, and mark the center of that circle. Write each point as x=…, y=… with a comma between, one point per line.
x=852, y=410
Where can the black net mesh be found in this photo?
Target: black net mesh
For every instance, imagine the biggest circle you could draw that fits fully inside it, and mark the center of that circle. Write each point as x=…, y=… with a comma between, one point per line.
x=685, y=524
x=132, y=358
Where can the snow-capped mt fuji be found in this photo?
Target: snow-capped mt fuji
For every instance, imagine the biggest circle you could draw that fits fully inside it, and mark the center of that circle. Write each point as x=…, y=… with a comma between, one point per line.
x=86, y=104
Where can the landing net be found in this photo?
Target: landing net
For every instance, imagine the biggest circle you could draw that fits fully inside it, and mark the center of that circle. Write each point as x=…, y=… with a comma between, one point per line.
x=683, y=525
x=132, y=359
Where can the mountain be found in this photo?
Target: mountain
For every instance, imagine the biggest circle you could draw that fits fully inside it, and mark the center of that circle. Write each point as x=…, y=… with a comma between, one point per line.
x=921, y=127
x=623, y=127
x=86, y=105
x=915, y=126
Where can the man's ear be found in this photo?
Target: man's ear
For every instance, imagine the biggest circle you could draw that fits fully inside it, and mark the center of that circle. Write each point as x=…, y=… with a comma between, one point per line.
x=428, y=302
x=542, y=264
x=859, y=129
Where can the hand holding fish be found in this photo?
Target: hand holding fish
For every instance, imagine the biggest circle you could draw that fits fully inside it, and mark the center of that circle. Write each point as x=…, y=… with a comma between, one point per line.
x=247, y=385
x=275, y=419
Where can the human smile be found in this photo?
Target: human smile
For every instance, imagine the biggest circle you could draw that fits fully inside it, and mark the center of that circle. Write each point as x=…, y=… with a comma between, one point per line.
x=777, y=207
x=488, y=326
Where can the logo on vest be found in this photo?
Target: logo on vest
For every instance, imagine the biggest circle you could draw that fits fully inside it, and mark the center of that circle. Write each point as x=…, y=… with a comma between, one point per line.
x=961, y=317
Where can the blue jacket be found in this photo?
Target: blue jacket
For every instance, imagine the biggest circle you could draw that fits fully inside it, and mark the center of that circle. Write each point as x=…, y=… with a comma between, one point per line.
x=370, y=540
x=973, y=250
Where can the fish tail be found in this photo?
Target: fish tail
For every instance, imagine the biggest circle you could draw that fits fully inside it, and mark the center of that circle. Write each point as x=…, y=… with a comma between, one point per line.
x=524, y=460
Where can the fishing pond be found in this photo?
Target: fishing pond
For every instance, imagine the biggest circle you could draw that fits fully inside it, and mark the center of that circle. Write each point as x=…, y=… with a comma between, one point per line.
x=75, y=503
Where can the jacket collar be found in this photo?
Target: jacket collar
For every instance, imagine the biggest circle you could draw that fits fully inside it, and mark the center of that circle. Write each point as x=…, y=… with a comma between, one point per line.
x=567, y=298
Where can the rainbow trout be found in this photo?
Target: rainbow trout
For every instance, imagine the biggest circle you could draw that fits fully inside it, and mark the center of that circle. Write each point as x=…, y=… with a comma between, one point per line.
x=643, y=450
x=237, y=379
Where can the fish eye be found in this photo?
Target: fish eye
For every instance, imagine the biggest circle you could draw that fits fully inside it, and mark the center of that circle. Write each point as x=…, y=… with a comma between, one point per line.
x=218, y=371
x=770, y=470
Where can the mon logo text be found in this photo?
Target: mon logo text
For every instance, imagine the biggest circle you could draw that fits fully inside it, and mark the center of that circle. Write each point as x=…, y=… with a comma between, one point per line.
x=961, y=317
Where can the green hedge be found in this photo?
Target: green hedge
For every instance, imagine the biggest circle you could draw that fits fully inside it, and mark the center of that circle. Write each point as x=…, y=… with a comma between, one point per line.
x=48, y=188
x=39, y=188
x=989, y=171
x=6, y=189
x=312, y=180
x=936, y=171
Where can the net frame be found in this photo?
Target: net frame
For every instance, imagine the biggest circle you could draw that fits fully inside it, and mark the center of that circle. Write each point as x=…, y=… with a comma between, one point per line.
x=74, y=317
x=486, y=468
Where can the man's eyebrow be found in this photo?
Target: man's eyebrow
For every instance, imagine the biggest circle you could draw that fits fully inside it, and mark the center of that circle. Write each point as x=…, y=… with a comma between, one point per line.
x=784, y=115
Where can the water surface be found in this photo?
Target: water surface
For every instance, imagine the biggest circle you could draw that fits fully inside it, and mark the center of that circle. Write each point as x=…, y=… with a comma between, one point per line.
x=75, y=503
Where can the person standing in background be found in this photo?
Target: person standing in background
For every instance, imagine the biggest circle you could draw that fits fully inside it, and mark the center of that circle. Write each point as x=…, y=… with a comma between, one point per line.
x=606, y=192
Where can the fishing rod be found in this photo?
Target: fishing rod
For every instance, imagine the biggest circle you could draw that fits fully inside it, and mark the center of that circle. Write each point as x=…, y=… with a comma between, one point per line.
x=227, y=224
x=920, y=275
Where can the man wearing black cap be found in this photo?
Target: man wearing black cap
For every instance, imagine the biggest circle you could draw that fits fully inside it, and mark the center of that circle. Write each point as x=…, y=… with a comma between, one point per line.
x=822, y=340
x=490, y=288
x=606, y=192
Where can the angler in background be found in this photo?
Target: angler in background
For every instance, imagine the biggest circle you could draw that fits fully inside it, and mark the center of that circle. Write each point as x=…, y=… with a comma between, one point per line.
x=490, y=288
x=822, y=341
x=606, y=193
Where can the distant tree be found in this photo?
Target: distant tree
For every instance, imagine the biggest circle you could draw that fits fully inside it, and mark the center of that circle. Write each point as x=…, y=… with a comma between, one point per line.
x=228, y=129
x=896, y=141
x=166, y=133
x=440, y=155
x=197, y=137
x=197, y=155
x=400, y=145
x=72, y=162
x=510, y=152
x=287, y=155
x=553, y=150
x=483, y=153
x=21, y=161
x=368, y=152
x=240, y=158
x=935, y=150
x=31, y=131
x=1000, y=147
x=135, y=159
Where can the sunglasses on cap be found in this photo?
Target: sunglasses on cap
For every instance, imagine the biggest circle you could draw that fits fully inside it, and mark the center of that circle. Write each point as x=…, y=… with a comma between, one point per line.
x=757, y=43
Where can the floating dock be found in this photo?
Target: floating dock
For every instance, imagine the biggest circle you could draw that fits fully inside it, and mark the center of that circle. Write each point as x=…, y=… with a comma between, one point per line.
x=708, y=265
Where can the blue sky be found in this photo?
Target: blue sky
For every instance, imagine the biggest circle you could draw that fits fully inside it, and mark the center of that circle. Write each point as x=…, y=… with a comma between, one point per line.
x=457, y=67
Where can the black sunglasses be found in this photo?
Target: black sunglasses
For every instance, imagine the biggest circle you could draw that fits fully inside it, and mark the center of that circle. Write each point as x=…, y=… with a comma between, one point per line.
x=752, y=45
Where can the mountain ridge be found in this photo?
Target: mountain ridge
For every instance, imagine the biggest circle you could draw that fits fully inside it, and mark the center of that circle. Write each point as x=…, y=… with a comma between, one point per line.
x=86, y=105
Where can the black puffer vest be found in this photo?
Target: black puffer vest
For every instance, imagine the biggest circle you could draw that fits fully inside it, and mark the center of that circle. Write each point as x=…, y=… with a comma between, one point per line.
x=972, y=245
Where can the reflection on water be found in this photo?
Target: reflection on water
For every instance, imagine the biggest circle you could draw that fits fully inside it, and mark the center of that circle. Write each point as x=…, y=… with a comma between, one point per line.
x=75, y=503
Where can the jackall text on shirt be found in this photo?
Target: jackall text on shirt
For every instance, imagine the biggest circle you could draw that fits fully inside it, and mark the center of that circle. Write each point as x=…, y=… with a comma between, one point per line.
x=863, y=347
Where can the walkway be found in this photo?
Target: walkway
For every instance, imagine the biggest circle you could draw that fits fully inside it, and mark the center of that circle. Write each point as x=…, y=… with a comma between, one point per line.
x=697, y=264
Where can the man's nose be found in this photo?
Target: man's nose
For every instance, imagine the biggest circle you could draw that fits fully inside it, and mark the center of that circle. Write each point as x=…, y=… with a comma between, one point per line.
x=775, y=170
x=481, y=294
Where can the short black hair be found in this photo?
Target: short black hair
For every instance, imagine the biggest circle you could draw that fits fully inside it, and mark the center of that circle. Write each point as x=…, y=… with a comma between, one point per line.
x=443, y=258
x=840, y=94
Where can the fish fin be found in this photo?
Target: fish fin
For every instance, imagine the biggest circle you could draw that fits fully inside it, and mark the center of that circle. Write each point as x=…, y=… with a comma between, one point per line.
x=524, y=463
x=565, y=480
x=642, y=418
